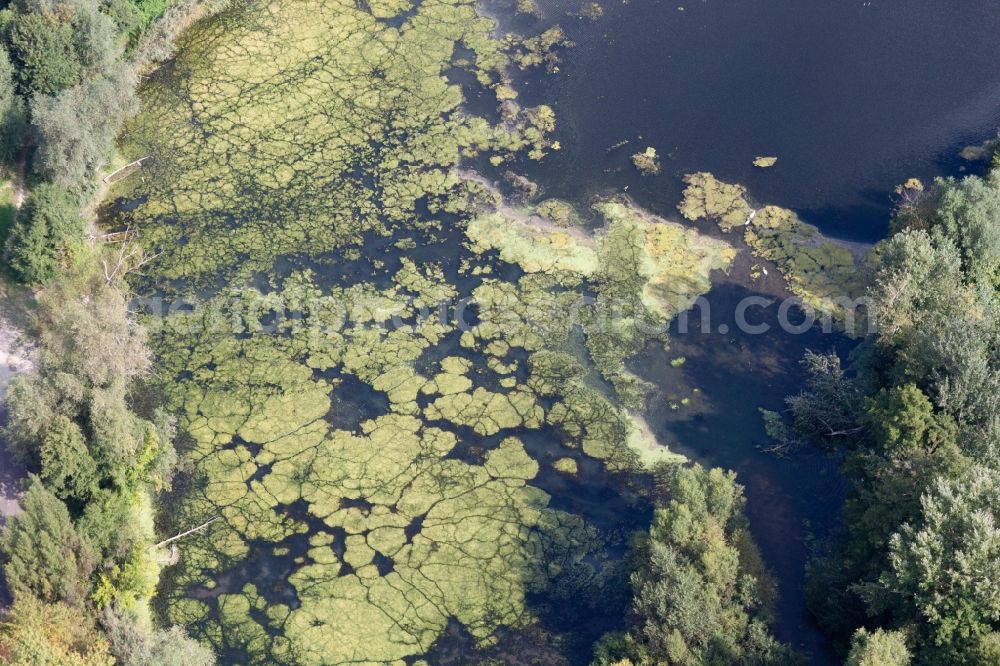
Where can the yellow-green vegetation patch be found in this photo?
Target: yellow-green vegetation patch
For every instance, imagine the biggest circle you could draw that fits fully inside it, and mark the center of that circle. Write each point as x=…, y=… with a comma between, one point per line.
x=765, y=162
x=645, y=270
x=529, y=7
x=566, y=466
x=677, y=260
x=300, y=126
x=486, y=412
x=538, y=51
x=533, y=242
x=707, y=197
x=334, y=441
x=650, y=451
x=388, y=8
x=647, y=162
x=827, y=275
x=558, y=212
x=979, y=151
x=670, y=263
x=401, y=537
x=818, y=270
x=591, y=11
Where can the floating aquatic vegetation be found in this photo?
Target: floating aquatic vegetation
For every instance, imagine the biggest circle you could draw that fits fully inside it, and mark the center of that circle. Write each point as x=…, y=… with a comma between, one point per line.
x=651, y=270
x=488, y=413
x=818, y=270
x=302, y=128
x=533, y=242
x=765, y=162
x=615, y=146
x=649, y=450
x=676, y=261
x=400, y=536
x=825, y=274
x=559, y=212
x=529, y=7
x=591, y=11
x=647, y=162
x=707, y=197
x=523, y=187
x=982, y=151
x=645, y=270
x=636, y=257
x=538, y=51
x=328, y=132
x=566, y=466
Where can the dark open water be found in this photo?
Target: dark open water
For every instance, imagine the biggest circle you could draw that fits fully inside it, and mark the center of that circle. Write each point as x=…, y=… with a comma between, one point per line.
x=853, y=97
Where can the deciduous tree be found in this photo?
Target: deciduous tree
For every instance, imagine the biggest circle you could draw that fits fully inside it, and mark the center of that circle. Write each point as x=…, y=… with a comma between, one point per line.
x=76, y=127
x=945, y=567
x=34, y=633
x=878, y=648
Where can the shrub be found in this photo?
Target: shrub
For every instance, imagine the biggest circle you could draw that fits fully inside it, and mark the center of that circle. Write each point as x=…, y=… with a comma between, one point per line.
x=133, y=645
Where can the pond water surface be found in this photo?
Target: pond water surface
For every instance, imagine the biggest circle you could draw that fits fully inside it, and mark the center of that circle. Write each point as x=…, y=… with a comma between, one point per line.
x=853, y=97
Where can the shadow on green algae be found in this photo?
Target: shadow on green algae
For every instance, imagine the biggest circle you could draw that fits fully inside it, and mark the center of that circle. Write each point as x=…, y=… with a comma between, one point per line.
x=307, y=199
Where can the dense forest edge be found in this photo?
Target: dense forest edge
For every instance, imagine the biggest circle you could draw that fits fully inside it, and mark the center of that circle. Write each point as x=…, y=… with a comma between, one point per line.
x=915, y=411
x=911, y=577
x=79, y=560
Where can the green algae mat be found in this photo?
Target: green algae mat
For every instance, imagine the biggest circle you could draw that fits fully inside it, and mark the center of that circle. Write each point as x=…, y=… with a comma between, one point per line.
x=827, y=275
x=376, y=360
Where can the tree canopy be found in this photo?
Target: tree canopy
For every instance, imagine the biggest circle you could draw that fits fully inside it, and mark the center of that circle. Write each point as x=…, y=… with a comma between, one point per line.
x=50, y=215
x=920, y=408
x=43, y=555
x=697, y=588
x=75, y=128
x=58, y=44
x=34, y=633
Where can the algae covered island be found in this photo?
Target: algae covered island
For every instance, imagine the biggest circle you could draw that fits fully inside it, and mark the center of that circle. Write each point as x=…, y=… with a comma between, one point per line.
x=314, y=360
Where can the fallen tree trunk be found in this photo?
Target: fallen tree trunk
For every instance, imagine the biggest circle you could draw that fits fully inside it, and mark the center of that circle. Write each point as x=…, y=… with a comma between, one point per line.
x=184, y=534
